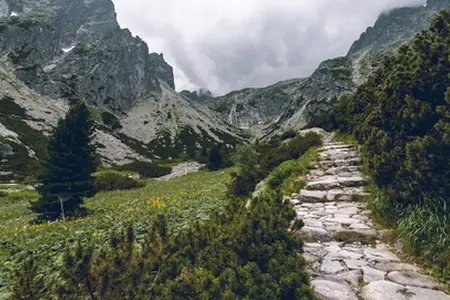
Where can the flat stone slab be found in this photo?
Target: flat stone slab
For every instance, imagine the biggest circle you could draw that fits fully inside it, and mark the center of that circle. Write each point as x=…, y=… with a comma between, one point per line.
x=412, y=278
x=331, y=290
x=330, y=266
x=380, y=255
x=312, y=196
x=386, y=290
x=323, y=184
x=314, y=234
x=371, y=275
x=352, y=278
x=390, y=266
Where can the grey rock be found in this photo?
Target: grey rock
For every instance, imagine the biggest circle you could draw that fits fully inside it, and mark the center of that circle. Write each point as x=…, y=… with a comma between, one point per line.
x=355, y=264
x=331, y=290
x=378, y=255
x=411, y=278
x=353, y=278
x=359, y=226
x=322, y=184
x=5, y=150
x=386, y=290
x=371, y=274
x=390, y=266
x=314, y=234
x=312, y=196
x=330, y=266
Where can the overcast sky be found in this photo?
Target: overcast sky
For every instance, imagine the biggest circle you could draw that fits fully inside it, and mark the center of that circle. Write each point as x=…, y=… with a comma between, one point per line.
x=226, y=45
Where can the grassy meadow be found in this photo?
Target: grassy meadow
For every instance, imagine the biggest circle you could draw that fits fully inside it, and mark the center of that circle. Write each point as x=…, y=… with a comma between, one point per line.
x=182, y=200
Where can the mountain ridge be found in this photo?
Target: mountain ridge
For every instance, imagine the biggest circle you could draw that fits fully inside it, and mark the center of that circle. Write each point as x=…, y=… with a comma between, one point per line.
x=53, y=52
x=308, y=98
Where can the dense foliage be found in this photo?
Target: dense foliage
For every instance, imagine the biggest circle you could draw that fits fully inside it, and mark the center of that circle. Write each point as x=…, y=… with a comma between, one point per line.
x=182, y=200
x=401, y=116
x=238, y=254
x=114, y=181
x=147, y=169
x=214, y=159
x=67, y=176
x=256, y=162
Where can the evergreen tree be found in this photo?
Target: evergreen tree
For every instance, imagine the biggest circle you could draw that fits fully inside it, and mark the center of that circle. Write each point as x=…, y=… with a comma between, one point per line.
x=204, y=152
x=214, y=159
x=67, y=177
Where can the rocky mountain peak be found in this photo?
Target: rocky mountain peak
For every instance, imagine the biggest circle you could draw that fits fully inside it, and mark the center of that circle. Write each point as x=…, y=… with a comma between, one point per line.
x=76, y=48
x=396, y=26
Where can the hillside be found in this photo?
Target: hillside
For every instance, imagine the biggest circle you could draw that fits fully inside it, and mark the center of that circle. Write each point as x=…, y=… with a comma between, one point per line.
x=54, y=52
x=294, y=103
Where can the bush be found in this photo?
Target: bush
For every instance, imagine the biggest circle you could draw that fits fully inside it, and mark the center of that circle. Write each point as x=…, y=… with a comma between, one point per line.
x=287, y=177
x=290, y=134
x=238, y=254
x=147, y=169
x=274, y=153
x=401, y=117
x=112, y=181
x=244, y=182
x=255, y=163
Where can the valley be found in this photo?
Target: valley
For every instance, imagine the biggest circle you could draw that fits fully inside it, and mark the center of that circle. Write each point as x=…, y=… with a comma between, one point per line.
x=114, y=185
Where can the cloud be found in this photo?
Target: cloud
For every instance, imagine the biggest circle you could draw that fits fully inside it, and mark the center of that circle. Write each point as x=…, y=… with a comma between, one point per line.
x=232, y=44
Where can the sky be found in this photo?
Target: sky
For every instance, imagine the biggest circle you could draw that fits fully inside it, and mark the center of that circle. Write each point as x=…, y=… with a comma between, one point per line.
x=226, y=45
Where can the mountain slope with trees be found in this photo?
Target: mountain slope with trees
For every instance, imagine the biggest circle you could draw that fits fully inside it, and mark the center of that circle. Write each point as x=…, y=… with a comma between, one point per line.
x=401, y=117
x=295, y=103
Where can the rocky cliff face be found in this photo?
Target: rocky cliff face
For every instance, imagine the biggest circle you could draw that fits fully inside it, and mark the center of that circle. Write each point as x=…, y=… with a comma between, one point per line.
x=75, y=48
x=293, y=103
x=55, y=51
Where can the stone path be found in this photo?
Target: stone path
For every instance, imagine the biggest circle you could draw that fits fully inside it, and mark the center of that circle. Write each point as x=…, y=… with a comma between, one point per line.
x=347, y=259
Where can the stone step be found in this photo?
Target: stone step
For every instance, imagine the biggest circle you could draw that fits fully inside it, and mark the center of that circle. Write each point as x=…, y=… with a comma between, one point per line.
x=336, y=147
x=338, y=156
x=340, y=163
x=345, y=194
x=318, y=234
x=333, y=143
x=342, y=170
x=327, y=183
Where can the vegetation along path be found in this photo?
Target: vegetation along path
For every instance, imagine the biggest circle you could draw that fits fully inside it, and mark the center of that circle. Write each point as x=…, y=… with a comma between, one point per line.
x=348, y=260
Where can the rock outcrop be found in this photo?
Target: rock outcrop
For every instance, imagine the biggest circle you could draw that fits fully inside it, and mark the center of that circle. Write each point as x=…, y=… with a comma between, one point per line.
x=53, y=52
x=75, y=48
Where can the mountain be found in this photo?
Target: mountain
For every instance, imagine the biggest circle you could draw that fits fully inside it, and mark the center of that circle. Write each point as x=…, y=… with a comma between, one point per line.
x=198, y=96
x=294, y=103
x=53, y=52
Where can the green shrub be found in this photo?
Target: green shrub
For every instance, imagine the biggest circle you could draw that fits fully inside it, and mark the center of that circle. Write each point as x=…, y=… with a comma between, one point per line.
x=245, y=180
x=289, y=177
x=20, y=195
x=147, y=169
x=238, y=254
x=274, y=153
x=290, y=134
x=401, y=117
x=112, y=181
x=257, y=162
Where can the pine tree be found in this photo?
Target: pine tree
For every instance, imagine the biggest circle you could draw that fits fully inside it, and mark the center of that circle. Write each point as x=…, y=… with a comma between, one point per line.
x=67, y=177
x=204, y=152
x=214, y=159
